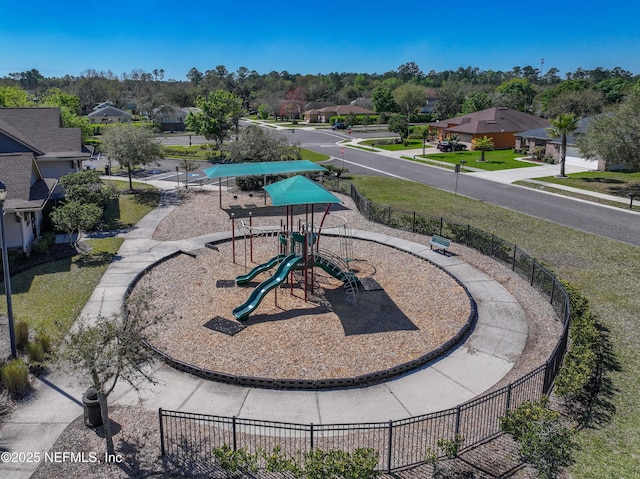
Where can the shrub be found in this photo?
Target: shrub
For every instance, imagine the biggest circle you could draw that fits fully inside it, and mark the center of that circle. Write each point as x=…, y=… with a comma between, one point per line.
x=581, y=361
x=22, y=334
x=45, y=242
x=15, y=377
x=277, y=461
x=235, y=462
x=45, y=341
x=35, y=351
x=544, y=442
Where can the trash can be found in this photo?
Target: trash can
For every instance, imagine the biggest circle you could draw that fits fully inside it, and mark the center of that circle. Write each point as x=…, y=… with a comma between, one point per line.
x=107, y=170
x=92, y=412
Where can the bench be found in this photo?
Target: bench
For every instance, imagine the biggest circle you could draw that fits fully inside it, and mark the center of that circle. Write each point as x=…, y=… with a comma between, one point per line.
x=440, y=243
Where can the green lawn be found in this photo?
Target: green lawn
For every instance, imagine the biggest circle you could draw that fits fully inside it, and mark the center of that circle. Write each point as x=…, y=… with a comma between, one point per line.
x=128, y=209
x=193, y=152
x=313, y=155
x=389, y=145
x=605, y=270
x=494, y=160
x=50, y=296
x=608, y=182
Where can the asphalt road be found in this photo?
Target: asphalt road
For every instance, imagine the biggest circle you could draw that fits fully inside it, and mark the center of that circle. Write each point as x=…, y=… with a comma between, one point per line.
x=614, y=223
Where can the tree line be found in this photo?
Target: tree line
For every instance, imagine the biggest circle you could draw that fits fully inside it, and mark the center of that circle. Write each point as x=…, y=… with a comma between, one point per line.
x=464, y=90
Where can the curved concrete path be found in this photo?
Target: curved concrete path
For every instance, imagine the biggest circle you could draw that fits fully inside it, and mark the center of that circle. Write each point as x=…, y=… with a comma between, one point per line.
x=487, y=355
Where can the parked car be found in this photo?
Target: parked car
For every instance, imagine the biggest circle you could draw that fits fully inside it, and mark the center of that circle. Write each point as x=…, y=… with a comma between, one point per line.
x=450, y=146
x=339, y=126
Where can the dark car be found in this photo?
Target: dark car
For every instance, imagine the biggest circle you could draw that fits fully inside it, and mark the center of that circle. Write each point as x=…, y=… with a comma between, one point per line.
x=339, y=126
x=450, y=146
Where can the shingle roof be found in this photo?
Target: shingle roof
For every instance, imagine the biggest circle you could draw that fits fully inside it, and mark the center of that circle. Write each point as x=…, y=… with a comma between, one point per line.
x=493, y=120
x=16, y=172
x=41, y=129
x=109, y=111
x=543, y=133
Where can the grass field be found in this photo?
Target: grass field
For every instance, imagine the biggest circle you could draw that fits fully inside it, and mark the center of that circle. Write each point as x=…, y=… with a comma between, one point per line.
x=50, y=296
x=608, y=182
x=494, y=160
x=604, y=270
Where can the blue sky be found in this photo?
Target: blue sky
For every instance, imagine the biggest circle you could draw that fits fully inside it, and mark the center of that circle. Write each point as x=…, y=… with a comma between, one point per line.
x=59, y=38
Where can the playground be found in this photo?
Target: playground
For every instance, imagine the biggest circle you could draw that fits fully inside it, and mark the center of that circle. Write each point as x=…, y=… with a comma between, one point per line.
x=417, y=308
x=293, y=296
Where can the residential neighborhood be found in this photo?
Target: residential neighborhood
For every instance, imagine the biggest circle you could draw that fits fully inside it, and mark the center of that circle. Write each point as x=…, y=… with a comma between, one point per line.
x=192, y=267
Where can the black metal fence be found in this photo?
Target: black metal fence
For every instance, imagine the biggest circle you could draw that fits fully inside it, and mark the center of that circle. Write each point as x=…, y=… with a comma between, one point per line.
x=188, y=439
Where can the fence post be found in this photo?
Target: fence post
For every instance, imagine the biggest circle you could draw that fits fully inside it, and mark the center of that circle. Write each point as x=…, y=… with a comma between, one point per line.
x=553, y=287
x=508, y=405
x=413, y=225
x=513, y=264
x=533, y=269
x=458, y=411
x=466, y=241
x=162, y=450
x=491, y=251
x=311, y=432
x=390, y=445
x=233, y=428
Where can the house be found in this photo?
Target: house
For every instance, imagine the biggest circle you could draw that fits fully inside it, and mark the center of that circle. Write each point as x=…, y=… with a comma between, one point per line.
x=57, y=150
x=35, y=151
x=109, y=114
x=171, y=118
x=498, y=123
x=27, y=201
x=323, y=115
x=539, y=140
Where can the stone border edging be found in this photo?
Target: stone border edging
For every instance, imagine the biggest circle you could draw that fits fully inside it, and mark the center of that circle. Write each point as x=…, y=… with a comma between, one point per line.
x=314, y=384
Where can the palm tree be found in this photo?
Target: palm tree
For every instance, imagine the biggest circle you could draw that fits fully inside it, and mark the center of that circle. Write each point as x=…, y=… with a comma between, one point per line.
x=565, y=124
x=483, y=144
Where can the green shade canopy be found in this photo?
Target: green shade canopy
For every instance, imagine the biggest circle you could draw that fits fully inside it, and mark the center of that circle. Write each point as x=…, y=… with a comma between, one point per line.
x=261, y=168
x=299, y=190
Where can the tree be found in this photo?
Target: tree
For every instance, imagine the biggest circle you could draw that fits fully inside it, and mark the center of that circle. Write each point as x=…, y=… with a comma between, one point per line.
x=74, y=217
x=86, y=186
x=516, y=94
x=450, y=98
x=425, y=133
x=110, y=349
x=562, y=126
x=131, y=147
x=220, y=111
x=259, y=144
x=409, y=98
x=11, y=96
x=483, y=144
x=399, y=124
x=476, y=101
x=188, y=165
x=614, y=137
x=383, y=100
x=580, y=103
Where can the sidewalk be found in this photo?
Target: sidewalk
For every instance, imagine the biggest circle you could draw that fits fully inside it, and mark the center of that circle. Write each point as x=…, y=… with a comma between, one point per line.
x=472, y=368
x=511, y=176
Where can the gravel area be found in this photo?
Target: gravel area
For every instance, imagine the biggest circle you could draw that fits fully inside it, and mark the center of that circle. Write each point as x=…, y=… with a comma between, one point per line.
x=198, y=214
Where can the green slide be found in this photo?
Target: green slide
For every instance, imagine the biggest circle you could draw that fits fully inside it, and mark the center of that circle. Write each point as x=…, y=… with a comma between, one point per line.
x=244, y=310
x=333, y=269
x=245, y=278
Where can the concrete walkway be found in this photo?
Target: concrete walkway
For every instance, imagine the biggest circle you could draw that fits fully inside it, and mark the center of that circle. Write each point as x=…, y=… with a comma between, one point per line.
x=485, y=357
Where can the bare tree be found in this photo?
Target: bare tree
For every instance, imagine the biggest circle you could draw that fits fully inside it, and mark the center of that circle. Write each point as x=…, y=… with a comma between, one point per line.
x=103, y=352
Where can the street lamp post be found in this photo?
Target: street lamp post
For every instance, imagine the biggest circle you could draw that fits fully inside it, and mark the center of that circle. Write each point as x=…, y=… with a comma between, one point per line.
x=5, y=271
